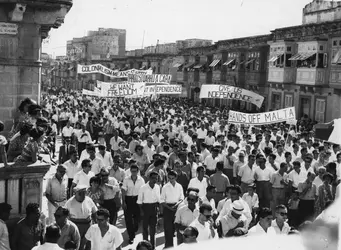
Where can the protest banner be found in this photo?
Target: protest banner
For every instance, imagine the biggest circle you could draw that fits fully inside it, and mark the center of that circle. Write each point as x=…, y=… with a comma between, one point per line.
x=230, y=92
x=98, y=68
x=150, y=79
x=276, y=116
x=173, y=89
x=90, y=93
x=122, y=89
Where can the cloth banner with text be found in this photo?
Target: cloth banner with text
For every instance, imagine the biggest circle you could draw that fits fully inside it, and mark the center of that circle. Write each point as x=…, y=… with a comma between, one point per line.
x=230, y=92
x=172, y=89
x=98, y=68
x=91, y=93
x=121, y=89
x=277, y=116
x=150, y=79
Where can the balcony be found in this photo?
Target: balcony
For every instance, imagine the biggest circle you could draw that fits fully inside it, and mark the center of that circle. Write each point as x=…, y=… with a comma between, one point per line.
x=282, y=75
x=311, y=76
x=203, y=77
x=182, y=76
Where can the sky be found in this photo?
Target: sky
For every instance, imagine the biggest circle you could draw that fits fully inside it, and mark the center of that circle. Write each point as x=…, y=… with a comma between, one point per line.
x=171, y=20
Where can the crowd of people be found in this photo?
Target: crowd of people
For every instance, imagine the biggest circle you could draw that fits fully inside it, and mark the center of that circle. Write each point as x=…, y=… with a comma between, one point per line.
x=167, y=159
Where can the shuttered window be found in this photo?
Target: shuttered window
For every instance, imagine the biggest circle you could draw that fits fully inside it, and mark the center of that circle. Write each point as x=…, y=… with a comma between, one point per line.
x=320, y=110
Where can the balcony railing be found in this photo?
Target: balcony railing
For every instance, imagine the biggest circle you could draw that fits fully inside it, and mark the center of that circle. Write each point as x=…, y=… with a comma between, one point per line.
x=311, y=76
x=282, y=75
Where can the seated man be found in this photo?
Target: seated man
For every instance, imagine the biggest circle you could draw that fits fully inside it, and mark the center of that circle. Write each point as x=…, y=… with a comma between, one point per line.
x=234, y=223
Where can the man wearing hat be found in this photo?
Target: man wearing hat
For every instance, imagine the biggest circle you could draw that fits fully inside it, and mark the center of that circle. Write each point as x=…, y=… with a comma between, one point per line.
x=234, y=223
x=5, y=210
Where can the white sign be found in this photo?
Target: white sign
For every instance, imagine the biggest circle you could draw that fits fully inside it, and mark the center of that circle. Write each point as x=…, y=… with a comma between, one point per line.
x=8, y=28
x=98, y=68
x=150, y=79
x=163, y=90
x=91, y=93
x=281, y=115
x=230, y=92
x=121, y=89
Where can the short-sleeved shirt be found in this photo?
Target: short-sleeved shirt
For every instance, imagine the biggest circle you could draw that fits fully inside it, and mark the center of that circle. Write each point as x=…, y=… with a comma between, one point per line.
x=111, y=240
x=185, y=216
x=310, y=194
x=69, y=232
x=4, y=239
x=82, y=210
x=81, y=178
x=57, y=189
x=220, y=181
x=276, y=179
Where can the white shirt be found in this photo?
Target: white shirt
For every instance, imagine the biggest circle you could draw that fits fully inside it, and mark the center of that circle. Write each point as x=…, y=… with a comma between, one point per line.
x=67, y=131
x=149, y=195
x=131, y=188
x=184, y=216
x=212, y=163
x=83, y=136
x=262, y=174
x=209, y=202
x=96, y=165
x=107, y=159
x=71, y=168
x=258, y=230
x=82, y=210
x=47, y=246
x=297, y=178
x=201, y=133
x=253, y=201
x=228, y=207
x=4, y=238
x=111, y=240
x=81, y=178
x=246, y=174
x=172, y=194
x=201, y=185
x=204, y=230
x=285, y=228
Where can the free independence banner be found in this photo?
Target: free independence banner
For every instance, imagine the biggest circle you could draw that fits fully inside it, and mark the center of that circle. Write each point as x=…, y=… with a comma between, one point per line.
x=98, y=68
x=172, y=89
x=122, y=89
x=230, y=92
x=281, y=115
x=150, y=79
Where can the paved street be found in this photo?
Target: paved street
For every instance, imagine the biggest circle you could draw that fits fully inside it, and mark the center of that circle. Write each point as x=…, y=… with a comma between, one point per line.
x=120, y=221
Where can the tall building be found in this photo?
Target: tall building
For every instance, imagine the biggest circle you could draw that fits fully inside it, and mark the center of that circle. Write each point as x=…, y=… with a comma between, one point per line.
x=103, y=44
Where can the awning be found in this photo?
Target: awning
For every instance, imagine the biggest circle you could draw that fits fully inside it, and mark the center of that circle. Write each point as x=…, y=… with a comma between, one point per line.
x=71, y=68
x=143, y=67
x=274, y=58
x=242, y=62
x=337, y=57
x=189, y=65
x=214, y=63
x=302, y=56
x=199, y=66
x=177, y=65
x=227, y=63
x=248, y=62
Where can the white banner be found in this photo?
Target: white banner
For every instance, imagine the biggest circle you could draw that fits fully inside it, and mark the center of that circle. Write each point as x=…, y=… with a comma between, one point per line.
x=230, y=92
x=91, y=93
x=150, y=79
x=98, y=68
x=276, y=116
x=163, y=90
x=122, y=89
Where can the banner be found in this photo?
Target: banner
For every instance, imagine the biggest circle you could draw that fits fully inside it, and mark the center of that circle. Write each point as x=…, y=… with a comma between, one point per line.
x=150, y=79
x=98, y=68
x=230, y=92
x=122, y=89
x=276, y=116
x=163, y=90
x=91, y=93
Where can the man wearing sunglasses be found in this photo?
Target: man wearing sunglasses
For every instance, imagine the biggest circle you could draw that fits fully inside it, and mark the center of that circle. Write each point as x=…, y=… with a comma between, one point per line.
x=279, y=223
x=204, y=223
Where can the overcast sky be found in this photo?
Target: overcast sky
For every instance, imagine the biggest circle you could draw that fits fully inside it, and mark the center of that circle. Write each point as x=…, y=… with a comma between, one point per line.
x=171, y=20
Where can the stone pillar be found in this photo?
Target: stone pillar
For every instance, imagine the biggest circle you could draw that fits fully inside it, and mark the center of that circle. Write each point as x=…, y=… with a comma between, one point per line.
x=23, y=26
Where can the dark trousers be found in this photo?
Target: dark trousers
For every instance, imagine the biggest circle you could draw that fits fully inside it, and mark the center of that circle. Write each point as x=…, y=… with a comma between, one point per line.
x=306, y=209
x=149, y=222
x=132, y=216
x=81, y=147
x=209, y=172
x=69, y=184
x=168, y=225
x=263, y=191
x=110, y=205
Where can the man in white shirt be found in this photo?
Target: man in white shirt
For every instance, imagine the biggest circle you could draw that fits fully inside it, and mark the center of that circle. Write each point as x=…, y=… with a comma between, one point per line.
x=263, y=227
x=5, y=210
x=72, y=169
x=96, y=163
x=279, y=224
x=83, y=176
x=51, y=238
x=103, y=235
x=105, y=156
x=130, y=190
x=199, y=182
x=67, y=130
x=204, y=223
x=172, y=195
x=262, y=176
x=149, y=199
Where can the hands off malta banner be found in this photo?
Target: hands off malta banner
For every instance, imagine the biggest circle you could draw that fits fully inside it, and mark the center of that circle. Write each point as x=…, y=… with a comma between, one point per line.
x=150, y=79
x=230, y=92
x=281, y=115
x=122, y=89
x=163, y=90
x=98, y=68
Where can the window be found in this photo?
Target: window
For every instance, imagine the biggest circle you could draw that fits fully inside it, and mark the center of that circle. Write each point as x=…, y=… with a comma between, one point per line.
x=276, y=102
x=318, y=60
x=289, y=48
x=320, y=109
x=288, y=101
x=334, y=43
x=253, y=61
x=321, y=47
